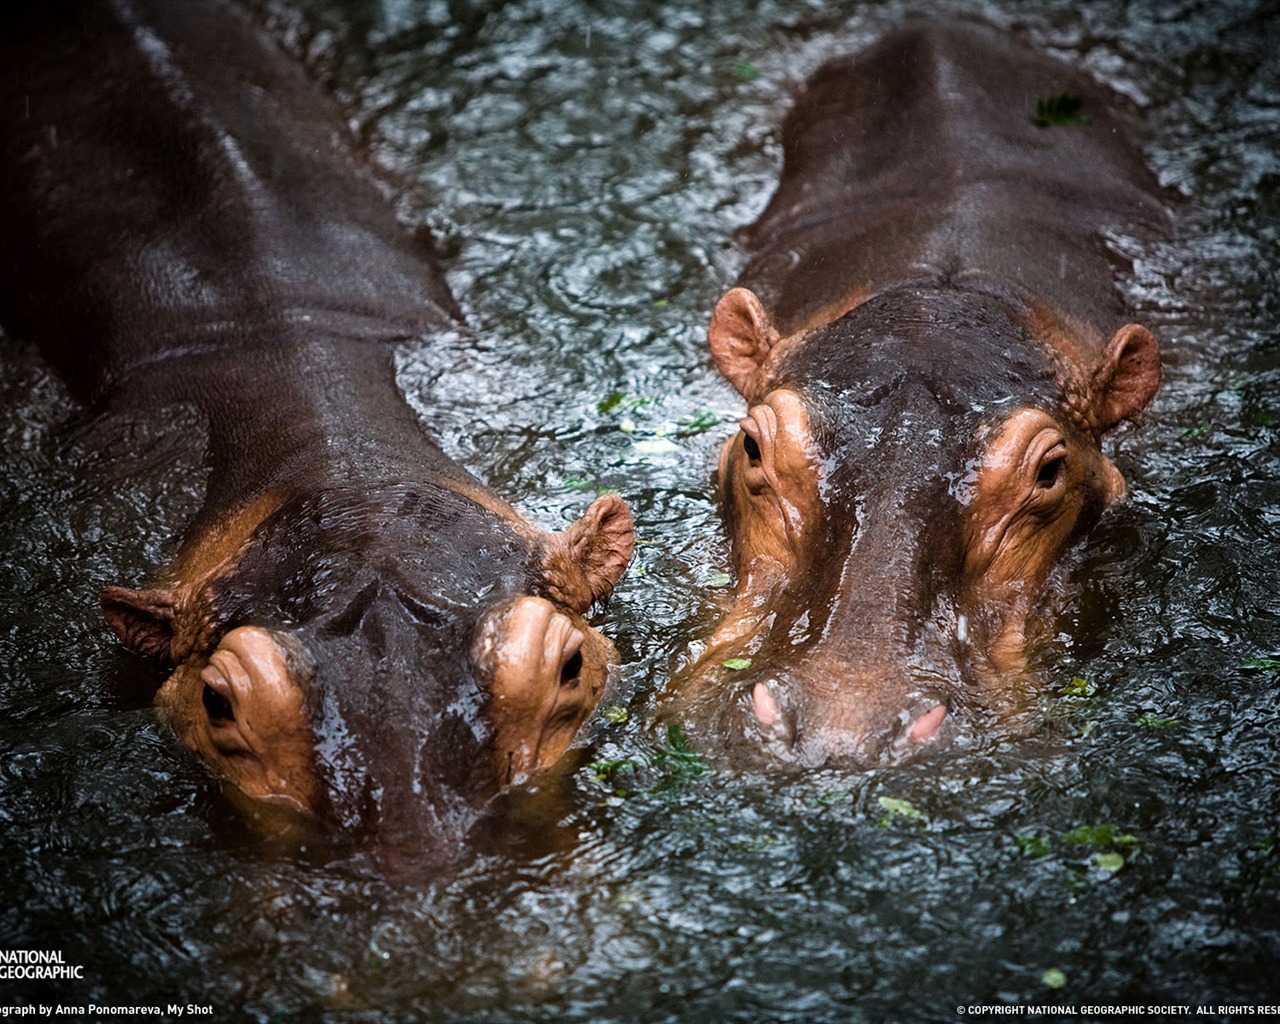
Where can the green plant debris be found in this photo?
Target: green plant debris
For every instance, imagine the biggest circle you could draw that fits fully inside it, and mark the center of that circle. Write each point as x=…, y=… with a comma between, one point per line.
x=760, y=843
x=1235, y=386
x=624, y=401
x=1054, y=978
x=1061, y=110
x=654, y=445
x=1262, y=664
x=827, y=799
x=606, y=770
x=678, y=761
x=719, y=579
x=578, y=483
x=627, y=425
x=736, y=664
x=1034, y=845
x=745, y=70
x=1260, y=867
x=1098, y=836
x=661, y=303
x=700, y=424
x=895, y=808
x=1157, y=722
x=1078, y=687
x=616, y=714
x=1199, y=431
x=1109, y=862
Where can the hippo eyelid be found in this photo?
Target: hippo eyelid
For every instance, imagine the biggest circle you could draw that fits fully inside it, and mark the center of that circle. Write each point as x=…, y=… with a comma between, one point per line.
x=215, y=697
x=1047, y=456
x=1050, y=468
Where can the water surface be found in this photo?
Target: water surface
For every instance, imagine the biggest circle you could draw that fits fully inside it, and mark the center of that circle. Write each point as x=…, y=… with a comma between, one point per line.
x=586, y=165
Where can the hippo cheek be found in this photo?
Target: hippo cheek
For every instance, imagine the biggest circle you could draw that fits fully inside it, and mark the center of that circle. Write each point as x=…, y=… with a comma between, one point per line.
x=546, y=670
x=243, y=712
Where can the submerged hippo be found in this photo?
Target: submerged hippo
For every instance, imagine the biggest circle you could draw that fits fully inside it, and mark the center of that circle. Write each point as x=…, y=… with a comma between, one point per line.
x=931, y=346
x=356, y=628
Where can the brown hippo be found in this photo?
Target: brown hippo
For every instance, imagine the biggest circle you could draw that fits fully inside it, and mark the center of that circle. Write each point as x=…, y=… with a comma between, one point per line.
x=356, y=628
x=931, y=346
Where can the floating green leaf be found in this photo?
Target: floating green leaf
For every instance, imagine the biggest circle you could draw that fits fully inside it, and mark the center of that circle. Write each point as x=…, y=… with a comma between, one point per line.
x=624, y=401
x=679, y=762
x=896, y=808
x=719, y=579
x=745, y=70
x=1078, y=687
x=1054, y=978
x=1034, y=845
x=604, y=771
x=1156, y=722
x=1065, y=108
x=699, y=424
x=1262, y=664
x=655, y=446
x=577, y=483
x=1109, y=862
x=736, y=664
x=616, y=714
x=1099, y=836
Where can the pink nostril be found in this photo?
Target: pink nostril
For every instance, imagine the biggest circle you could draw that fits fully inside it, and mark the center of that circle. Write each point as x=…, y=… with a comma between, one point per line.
x=927, y=725
x=766, y=708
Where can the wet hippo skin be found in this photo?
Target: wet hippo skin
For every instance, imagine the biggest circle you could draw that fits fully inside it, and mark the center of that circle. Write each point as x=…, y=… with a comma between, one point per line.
x=931, y=345
x=355, y=627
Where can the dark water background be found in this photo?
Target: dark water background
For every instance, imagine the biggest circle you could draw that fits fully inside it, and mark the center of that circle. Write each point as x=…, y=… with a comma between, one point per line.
x=587, y=163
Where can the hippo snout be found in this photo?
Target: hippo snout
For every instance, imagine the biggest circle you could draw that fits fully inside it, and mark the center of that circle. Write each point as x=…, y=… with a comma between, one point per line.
x=861, y=721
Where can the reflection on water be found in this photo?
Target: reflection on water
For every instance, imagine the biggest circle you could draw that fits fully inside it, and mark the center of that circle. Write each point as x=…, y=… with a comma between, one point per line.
x=589, y=163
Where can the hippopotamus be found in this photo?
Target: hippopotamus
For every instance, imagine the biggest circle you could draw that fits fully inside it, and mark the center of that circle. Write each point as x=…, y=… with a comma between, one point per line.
x=353, y=628
x=931, y=344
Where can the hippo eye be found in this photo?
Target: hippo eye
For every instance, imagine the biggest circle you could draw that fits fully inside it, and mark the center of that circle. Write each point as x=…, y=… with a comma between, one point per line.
x=751, y=447
x=216, y=706
x=1051, y=468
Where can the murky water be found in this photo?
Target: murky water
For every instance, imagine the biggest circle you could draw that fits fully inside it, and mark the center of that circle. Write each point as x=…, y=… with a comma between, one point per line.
x=588, y=164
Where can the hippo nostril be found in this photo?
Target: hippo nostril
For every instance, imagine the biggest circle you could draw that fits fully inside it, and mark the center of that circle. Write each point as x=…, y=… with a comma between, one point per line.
x=764, y=705
x=571, y=669
x=927, y=725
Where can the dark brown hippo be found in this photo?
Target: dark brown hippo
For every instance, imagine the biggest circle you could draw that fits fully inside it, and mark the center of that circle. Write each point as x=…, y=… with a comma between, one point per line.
x=931, y=345
x=356, y=628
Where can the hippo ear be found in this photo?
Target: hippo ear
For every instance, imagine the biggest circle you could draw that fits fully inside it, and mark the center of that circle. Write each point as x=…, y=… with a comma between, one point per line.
x=586, y=561
x=741, y=335
x=143, y=619
x=1128, y=378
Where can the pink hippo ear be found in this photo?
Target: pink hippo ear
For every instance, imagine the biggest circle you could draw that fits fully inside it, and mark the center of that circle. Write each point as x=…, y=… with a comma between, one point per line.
x=145, y=620
x=585, y=562
x=741, y=335
x=1128, y=378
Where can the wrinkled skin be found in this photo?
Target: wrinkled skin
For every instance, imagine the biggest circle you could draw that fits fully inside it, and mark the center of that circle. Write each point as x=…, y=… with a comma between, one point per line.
x=354, y=629
x=931, y=348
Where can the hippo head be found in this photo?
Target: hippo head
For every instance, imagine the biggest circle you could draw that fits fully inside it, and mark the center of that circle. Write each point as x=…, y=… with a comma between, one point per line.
x=384, y=660
x=904, y=481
